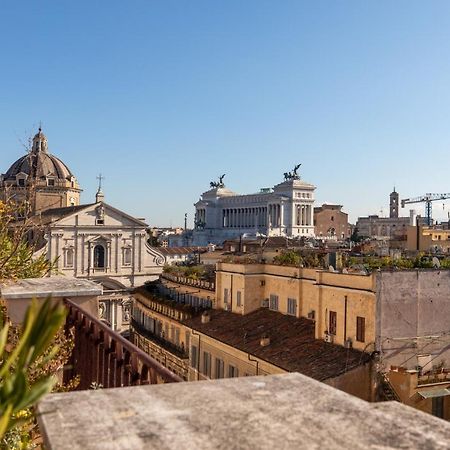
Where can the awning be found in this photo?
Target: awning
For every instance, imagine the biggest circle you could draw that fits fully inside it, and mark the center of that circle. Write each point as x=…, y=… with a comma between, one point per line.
x=430, y=393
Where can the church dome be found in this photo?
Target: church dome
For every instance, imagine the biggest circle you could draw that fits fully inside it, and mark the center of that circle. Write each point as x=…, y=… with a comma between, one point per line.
x=38, y=163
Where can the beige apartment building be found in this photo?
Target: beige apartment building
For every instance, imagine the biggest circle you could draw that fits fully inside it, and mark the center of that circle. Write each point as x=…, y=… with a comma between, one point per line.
x=342, y=306
x=241, y=336
x=353, y=331
x=428, y=239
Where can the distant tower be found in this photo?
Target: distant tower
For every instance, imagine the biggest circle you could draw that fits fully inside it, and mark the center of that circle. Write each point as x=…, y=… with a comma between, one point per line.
x=393, y=205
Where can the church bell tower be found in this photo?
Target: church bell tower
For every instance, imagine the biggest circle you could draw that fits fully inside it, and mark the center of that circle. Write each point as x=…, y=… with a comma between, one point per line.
x=393, y=205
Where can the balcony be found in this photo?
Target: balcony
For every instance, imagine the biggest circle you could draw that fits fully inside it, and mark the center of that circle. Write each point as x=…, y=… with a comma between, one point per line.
x=105, y=358
x=202, y=284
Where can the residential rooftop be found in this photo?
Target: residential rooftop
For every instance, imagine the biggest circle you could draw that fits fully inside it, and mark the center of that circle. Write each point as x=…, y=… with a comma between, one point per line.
x=292, y=347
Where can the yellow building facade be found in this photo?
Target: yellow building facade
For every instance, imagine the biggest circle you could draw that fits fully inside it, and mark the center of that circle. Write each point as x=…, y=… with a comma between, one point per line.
x=426, y=239
x=342, y=305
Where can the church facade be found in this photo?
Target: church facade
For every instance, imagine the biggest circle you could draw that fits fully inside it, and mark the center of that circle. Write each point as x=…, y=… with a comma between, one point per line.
x=284, y=210
x=92, y=241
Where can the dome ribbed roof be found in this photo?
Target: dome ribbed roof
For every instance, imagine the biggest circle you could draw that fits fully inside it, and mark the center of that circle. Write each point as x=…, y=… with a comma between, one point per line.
x=38, y=163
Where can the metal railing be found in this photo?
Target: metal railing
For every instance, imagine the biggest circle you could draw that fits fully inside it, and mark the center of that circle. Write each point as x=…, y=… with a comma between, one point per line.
x=105, y=358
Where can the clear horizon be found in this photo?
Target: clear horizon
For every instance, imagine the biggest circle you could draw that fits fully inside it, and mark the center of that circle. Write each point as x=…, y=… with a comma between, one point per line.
x=162, y=98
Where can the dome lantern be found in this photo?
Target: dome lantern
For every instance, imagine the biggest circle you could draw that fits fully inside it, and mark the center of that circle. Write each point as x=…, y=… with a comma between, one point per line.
x=39, y=142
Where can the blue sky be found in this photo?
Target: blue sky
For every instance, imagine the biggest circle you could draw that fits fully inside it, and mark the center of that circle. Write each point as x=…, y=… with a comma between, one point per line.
x=164, y=96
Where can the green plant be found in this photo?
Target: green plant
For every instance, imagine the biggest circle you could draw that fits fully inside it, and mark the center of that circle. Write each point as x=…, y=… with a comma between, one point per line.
x=34, y=349
x=288, y=258
x=16, y=253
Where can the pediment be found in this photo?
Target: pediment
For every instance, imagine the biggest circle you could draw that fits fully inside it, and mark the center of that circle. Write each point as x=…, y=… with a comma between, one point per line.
x=101, y=215
x=99, y=239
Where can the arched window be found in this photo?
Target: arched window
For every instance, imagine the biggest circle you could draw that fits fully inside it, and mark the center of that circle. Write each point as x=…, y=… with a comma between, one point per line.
x=99, y=257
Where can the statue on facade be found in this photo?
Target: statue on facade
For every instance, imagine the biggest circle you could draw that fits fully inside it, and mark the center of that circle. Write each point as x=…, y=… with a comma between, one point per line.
x=218, y=184
x=292, y=175
x=100, y=212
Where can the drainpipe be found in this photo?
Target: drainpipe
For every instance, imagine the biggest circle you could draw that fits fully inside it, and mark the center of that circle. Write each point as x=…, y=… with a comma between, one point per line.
x=345, y=319
x=256, y=361
x=198, y=356
x=231, y=294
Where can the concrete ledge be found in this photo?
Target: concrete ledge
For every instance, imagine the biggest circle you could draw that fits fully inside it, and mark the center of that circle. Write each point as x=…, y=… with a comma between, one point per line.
x=58, y=286
x=273, y=412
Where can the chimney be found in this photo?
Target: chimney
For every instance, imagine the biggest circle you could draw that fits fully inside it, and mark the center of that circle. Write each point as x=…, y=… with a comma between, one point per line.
x=206, y=317
x=265, y=340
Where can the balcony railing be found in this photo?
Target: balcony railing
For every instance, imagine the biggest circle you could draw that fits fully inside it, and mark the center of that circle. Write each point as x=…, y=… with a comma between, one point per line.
x=202, y=284
x=103, y=357
x=434, y=377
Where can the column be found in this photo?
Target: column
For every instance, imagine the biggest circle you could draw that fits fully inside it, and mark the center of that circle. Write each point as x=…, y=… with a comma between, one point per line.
x=57, y=250
x=113, y=249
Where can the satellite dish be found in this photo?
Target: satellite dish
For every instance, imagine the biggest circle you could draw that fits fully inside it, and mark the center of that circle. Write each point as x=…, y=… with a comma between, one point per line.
x=436, y=262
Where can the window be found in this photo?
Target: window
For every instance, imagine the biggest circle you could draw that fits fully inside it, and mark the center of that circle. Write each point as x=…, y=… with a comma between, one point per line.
x=50, y=181
x=292, y=306
x=233, y=372
x=437, y=407
x=69, y=258
x=187, y=340
x=220, y=368
x=194, y=357
x=21, y=182
x=225, y=295
x=238, y=298
x=262, y=282
x=333, y=323
x=99, y=257
x=360, y=329
x=207, y=364
x=126, y=256
x=273, y=304
x=99, y=221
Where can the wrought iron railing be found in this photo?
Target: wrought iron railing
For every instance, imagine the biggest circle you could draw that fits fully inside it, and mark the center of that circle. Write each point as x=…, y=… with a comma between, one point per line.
x=105, y=358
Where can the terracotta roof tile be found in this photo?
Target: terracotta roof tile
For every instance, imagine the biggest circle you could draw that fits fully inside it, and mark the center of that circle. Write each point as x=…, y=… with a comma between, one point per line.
x=292, y=347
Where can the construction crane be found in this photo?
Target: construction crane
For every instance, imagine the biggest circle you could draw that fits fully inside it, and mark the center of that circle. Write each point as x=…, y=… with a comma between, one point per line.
x=427, y=199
